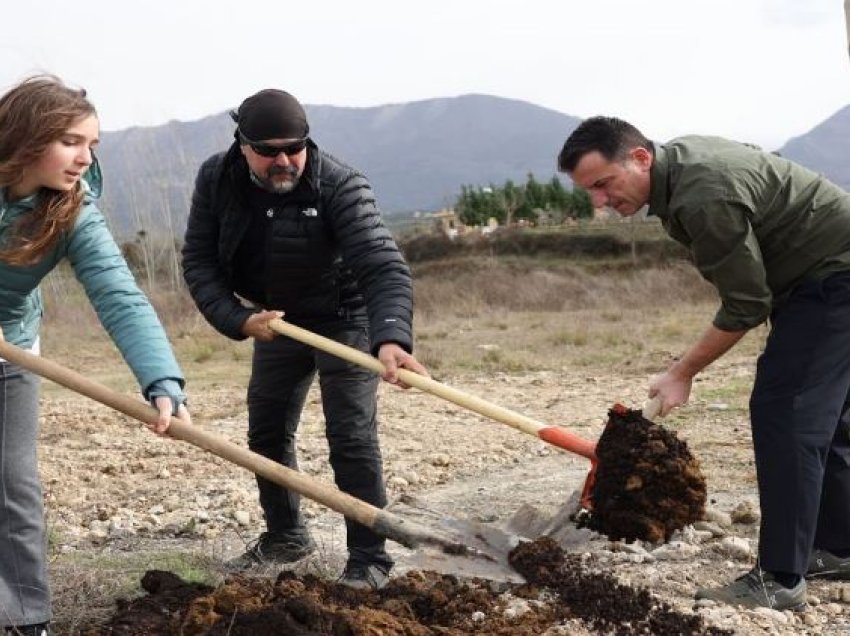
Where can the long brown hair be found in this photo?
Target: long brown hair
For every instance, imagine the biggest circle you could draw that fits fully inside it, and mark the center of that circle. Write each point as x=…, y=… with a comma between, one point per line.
x=33, y=115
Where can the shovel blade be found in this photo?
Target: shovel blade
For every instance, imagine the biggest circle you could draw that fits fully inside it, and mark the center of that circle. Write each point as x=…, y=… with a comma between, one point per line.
x=486, y=547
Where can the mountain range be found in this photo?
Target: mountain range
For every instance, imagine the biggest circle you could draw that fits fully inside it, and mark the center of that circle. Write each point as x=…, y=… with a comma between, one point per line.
x=417, y=155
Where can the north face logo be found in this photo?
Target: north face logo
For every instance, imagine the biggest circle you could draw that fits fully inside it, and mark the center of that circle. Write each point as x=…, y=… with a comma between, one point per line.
x=310, y=212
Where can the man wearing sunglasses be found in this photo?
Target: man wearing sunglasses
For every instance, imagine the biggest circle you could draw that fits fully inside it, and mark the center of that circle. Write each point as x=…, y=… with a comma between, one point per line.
x=278, y=225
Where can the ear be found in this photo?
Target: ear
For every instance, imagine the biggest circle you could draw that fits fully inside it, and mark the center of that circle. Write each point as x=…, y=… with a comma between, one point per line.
x=642, y=157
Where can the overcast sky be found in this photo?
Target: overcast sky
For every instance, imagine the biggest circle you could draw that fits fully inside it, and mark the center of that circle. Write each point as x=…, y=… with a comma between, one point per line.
x=754, y=70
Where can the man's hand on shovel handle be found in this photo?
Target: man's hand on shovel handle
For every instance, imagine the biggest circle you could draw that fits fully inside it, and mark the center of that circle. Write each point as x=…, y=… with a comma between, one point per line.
x=671, y=390
x=393, y=357
x=257, y=325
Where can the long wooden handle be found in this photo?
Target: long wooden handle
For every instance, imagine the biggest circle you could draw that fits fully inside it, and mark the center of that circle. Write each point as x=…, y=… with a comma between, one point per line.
x=382, y=522
x=555, y=435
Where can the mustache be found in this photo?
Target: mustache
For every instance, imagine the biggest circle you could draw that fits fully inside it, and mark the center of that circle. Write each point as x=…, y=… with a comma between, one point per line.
x=290, y=171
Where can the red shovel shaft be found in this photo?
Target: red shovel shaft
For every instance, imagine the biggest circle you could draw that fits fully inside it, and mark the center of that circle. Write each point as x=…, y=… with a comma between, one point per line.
x=555, y=435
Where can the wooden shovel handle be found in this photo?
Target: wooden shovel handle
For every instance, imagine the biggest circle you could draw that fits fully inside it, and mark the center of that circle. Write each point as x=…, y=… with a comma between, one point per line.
x=651, y=408
x=382, y=522
x=555, y=435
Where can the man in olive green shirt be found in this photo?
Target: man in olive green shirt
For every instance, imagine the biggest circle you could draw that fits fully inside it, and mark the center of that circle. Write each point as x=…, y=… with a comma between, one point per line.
x=774, y=239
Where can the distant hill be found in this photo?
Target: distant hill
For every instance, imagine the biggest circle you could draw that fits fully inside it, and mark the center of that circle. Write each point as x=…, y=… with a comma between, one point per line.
x=825, y=148
x=417, y=155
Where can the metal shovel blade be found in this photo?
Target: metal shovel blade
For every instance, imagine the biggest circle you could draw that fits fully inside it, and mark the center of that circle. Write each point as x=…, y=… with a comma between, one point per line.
x=486, y=546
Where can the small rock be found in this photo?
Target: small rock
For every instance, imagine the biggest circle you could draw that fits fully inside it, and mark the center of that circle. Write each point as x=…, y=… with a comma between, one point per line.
x=675, y=551
x=440, y=459
x=746, y=513
x=243, y=518
x=478, y=617
x=708, y=526
x=722, y=519
x=631, y=548
x=410, y=476
x=772, y=614
x=397, y=482
x=736, y=547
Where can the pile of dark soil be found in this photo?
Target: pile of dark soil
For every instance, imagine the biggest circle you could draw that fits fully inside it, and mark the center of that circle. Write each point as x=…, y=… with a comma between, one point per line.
x=416, y=604
x=648, y=483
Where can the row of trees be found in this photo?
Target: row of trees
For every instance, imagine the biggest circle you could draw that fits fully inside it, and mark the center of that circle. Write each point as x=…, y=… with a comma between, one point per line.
x=536, y=202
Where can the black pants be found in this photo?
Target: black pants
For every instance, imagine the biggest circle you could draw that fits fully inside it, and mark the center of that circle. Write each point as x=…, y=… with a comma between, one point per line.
x=801, y=426
x=282, y=372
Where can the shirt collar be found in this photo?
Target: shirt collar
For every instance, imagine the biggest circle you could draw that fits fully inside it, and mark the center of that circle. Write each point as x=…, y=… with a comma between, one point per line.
x=659, y=196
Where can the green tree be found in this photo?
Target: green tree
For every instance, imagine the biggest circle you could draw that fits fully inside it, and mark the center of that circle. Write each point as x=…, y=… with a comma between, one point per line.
x=582, y=207
x=558, y=196
x=535, y=194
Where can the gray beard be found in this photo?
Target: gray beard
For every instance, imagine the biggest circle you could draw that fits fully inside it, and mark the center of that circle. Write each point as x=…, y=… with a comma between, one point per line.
x=268, y=185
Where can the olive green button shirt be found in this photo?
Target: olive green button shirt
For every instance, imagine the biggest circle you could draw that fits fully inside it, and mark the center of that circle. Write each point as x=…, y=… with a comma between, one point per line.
x=756, y=224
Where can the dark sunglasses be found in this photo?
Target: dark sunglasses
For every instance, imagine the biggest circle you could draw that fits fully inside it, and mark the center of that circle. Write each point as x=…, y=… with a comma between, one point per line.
x=273, y=150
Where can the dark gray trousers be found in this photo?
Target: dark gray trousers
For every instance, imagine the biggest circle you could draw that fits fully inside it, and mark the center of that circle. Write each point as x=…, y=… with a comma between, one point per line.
x=24, y=591
x=282, y=372
x=801, y=433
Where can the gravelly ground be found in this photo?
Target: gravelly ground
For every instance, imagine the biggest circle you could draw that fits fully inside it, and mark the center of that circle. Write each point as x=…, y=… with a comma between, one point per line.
x=111, y=485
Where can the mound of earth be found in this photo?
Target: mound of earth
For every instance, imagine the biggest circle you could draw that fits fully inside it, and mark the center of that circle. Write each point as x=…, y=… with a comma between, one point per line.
x=561, y=591
x=648, y=484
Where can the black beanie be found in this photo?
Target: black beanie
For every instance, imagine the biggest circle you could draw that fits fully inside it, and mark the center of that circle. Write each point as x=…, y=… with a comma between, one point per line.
x=271, y=114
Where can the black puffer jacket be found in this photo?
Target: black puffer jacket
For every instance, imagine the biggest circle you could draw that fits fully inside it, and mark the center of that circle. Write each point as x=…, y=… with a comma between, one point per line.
x=328, y=254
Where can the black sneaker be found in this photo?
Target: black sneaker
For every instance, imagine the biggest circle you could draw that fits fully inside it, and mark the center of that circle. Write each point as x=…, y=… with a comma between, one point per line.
x=270, y=549
x=364, y=577
x=40, y=629
x=758, y=588
x=825, y=565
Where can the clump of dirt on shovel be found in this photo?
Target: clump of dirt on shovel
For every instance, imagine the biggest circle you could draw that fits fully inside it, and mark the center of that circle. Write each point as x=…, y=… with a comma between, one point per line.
x=416, y=604
x=648, y=484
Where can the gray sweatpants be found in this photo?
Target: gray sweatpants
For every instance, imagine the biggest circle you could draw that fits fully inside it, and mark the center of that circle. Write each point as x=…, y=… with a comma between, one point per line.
x=24, y=592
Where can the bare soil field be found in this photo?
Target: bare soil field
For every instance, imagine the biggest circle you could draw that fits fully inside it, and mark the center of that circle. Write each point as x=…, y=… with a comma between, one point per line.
x=122, y=502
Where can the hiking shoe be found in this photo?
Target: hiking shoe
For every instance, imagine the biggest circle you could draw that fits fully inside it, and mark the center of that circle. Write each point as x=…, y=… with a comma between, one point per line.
x=825, y=565
x=364, y=577
x=271, y=549
x=758, y=588
x=40, y=629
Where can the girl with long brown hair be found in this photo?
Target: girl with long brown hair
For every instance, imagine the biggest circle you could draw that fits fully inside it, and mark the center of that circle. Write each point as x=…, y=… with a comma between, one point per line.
x=49, y=181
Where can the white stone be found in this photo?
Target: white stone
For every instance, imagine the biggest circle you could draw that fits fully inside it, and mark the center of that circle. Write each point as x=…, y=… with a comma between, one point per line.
x=737, y=547
x=675, y=551
x=722, y=519
x=243, y=518
x=711, y=527
x=772, y=614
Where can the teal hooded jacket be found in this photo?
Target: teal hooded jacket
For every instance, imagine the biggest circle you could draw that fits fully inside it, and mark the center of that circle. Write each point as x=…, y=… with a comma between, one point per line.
x=121, y=306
